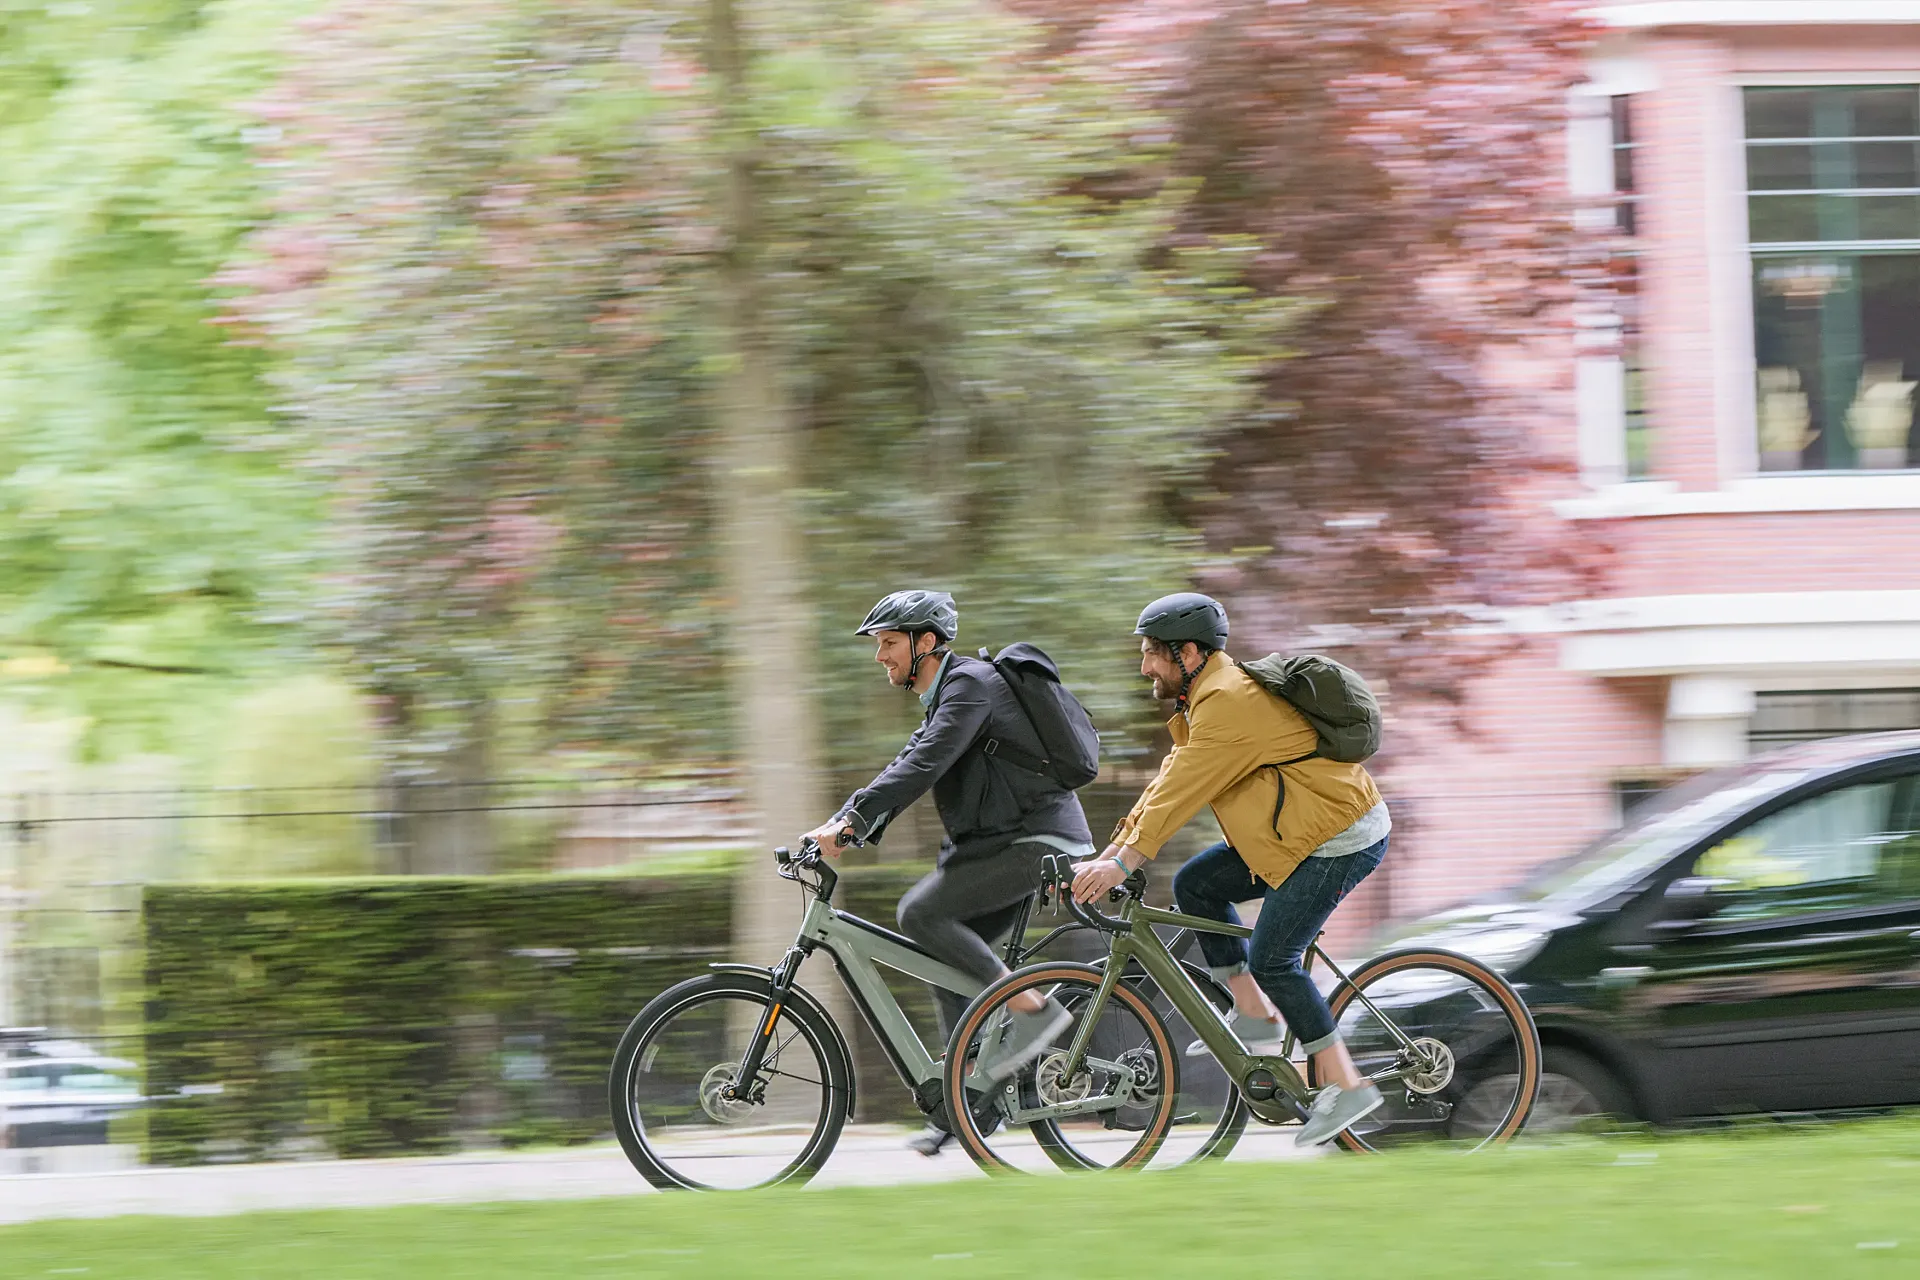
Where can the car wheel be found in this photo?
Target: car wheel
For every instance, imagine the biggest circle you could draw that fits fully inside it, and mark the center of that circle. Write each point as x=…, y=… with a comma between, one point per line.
x=1576, y=1092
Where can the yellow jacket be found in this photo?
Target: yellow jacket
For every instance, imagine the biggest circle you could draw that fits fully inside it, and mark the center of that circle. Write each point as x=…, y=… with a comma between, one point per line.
x=1232, y=729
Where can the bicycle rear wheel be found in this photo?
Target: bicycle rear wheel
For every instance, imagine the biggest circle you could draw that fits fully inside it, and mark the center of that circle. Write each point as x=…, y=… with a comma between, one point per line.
x=669, y=1087
x=1114, y=1112
x=1449, y=1042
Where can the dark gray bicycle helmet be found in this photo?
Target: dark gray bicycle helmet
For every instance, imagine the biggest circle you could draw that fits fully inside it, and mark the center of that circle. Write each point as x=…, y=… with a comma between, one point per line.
x=1185, y=615
x=915, y=611
x=1174, y=620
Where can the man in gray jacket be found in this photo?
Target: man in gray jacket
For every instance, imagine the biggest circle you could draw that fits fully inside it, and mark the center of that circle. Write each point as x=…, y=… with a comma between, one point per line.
x=1000, y=820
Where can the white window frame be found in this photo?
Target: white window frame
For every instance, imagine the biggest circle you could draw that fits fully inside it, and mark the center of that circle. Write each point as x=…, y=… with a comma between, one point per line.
x=1739, y=364
x=1600, y=399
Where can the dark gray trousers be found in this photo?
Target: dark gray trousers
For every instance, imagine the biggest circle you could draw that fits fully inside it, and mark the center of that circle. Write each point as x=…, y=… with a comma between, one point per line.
x=962, y=913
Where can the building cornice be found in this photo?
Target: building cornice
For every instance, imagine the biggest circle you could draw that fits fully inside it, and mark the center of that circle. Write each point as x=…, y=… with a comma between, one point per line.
x=1753, y=13
x=1821, y=633
x=1649, y=498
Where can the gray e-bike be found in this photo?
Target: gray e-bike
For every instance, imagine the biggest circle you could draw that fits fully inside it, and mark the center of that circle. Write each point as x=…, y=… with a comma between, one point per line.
x=741, y=1078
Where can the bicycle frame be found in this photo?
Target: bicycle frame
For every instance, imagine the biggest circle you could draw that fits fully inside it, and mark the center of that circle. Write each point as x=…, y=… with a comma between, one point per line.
x=1272, y=1086
x=859, y=949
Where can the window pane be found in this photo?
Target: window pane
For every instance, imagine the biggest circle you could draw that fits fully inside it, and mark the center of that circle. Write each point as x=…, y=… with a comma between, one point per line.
x=1818, y=855
x=1793, y=343
x=1779, y=113
x=1889, y=217
x=1622, y=119
x=1774, y=219
x=1623, y=170
x=1779, y=168
x=1885, y=112
x=1880, y=417
x=1883, y=164
x=1838, y=345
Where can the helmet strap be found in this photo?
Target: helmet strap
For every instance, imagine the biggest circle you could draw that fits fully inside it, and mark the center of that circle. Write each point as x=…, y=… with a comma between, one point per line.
x=1186, y=677
x=913, y=647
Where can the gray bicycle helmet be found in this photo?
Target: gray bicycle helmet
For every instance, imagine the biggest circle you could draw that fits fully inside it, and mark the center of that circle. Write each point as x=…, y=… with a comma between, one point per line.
x=915, y=611
x=1185, y=615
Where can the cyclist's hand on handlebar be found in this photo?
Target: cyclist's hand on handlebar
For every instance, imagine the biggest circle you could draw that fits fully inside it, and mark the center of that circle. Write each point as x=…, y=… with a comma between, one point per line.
x=1095, y=877
x=831, y=836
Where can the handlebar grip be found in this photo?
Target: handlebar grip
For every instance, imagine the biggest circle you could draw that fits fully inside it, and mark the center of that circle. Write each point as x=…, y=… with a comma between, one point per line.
x=1056, y=872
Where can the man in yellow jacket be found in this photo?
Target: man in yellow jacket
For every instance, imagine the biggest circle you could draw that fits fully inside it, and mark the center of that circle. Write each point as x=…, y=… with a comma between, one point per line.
x=1300, y=851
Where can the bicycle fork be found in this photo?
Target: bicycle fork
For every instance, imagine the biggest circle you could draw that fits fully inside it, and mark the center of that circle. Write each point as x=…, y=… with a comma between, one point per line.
x=747, y=1075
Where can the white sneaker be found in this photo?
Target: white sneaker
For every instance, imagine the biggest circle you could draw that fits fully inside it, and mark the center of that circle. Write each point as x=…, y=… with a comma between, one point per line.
x=1264, y=1037
x=1335, y=1109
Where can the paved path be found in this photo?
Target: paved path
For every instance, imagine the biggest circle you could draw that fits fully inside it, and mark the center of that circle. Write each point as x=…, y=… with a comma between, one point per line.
x=866, y=1156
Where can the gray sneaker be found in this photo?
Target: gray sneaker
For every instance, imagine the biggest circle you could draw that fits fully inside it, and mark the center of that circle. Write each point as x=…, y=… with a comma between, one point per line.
x=1335, y=1109
x=1023, y=1039
x=929, y=1141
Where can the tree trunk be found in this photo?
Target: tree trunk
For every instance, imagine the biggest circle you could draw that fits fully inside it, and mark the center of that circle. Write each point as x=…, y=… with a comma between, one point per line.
x=757, y=484
x=437, y=822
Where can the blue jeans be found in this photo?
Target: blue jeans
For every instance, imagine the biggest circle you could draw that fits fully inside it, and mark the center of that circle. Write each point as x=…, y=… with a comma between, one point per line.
x=1291, y=917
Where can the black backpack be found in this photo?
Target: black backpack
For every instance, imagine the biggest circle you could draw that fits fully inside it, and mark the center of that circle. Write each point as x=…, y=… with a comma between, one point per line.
x=1063, y=726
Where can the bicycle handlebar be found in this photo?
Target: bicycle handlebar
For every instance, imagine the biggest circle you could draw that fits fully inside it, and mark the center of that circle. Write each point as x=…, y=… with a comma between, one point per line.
x=1056, y=876
x=790, y=864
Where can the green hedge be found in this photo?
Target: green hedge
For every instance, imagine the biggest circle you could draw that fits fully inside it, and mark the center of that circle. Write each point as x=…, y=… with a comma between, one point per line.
x=382, y=1017
x=415, y=1015
x=405, y=1016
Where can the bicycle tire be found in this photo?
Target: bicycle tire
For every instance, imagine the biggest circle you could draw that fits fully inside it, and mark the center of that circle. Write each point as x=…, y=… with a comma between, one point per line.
x=1527, y=1035
x=823, y=1038
x=956, y=1070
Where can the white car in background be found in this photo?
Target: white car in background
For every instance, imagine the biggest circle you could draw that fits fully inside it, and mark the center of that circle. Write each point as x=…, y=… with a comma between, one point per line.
x=61, y=1093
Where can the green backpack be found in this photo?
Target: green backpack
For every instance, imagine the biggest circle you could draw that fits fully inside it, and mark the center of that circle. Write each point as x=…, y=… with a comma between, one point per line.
x=1334, y=699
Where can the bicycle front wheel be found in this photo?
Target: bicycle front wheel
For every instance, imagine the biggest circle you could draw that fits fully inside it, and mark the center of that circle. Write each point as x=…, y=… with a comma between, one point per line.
x=1449, y=1042
x=1113, y=1110
x=683, y=1118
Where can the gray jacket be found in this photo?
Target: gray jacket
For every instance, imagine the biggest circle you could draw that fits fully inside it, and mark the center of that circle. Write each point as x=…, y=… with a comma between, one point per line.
x=985, y=804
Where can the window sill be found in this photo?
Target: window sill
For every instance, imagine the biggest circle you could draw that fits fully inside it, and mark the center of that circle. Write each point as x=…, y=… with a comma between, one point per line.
x=1828, y=491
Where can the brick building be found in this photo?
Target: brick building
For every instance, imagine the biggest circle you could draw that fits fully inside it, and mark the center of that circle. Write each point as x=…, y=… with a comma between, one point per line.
x=1743, y=431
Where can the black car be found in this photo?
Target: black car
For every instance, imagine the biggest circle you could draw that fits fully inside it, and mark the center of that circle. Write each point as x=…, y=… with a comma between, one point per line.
x=1749, y=942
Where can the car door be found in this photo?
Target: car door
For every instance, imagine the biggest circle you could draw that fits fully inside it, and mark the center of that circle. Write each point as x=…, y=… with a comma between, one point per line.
x=1783, y=972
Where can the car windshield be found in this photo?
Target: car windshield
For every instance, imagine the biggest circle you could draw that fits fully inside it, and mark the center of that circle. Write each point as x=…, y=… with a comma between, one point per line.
x=1665, y=826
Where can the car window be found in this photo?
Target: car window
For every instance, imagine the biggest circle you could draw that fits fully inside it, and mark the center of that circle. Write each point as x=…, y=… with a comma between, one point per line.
x=1667, y=825
x=1849, y=847
x=92, y=1080
x=27, y=1080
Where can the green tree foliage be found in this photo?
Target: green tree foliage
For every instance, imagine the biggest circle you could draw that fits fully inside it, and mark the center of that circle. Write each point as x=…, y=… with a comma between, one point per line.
x=491, y=273
x=145, y=513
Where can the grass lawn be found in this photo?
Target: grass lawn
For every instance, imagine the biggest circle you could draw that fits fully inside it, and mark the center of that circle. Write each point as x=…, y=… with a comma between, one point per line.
x=1764, y=1201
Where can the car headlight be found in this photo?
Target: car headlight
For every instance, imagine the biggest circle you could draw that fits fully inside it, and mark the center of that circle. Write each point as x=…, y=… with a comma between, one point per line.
x=1498, y=949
